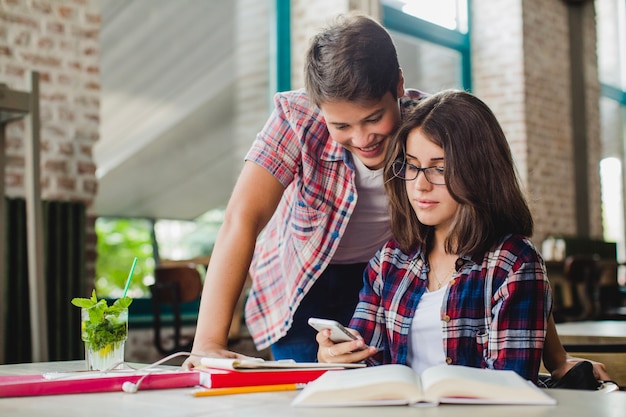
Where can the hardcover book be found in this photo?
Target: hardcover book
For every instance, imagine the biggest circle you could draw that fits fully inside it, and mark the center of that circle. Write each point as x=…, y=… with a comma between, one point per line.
x=93, y=381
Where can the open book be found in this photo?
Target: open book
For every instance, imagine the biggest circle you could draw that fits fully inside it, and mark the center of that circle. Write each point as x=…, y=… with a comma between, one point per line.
x=400, y=385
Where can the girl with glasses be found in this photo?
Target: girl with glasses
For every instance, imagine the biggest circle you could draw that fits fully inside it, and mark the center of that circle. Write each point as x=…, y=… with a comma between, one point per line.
x=460, y=282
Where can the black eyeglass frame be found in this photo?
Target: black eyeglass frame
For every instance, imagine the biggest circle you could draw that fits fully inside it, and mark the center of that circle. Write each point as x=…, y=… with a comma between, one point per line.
x=398, y=168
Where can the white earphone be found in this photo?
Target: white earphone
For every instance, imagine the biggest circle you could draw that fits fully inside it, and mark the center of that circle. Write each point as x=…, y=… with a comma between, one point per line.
x=130, y=387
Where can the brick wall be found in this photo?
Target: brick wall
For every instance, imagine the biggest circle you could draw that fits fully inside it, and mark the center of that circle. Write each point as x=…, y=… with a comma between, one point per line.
x=549, y=129
x=59, y=39
x=593, y=96
x=521, y=68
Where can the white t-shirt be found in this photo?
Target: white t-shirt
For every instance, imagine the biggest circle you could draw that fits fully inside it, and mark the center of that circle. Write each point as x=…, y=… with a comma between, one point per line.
x=426, y=335
x=368, y=229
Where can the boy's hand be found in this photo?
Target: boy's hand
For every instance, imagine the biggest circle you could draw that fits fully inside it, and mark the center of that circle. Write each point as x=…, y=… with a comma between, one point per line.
x=209, y=351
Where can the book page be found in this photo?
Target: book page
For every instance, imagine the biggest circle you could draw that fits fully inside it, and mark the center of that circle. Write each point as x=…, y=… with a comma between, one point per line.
x=261, y=364
x=377, y=385
x=461, y=384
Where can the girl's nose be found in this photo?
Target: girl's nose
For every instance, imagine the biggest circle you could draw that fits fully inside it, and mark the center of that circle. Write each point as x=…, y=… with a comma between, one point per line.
x=421, y=183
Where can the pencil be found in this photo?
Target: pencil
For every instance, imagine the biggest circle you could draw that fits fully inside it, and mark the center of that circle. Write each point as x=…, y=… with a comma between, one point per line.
x=246, y=390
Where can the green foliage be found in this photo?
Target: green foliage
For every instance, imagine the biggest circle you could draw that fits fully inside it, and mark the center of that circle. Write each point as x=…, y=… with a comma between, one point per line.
x=103, y=326
x=119, y=242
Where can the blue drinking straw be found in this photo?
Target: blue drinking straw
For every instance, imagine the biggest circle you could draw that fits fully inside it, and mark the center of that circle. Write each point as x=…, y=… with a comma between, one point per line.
x=130, y=275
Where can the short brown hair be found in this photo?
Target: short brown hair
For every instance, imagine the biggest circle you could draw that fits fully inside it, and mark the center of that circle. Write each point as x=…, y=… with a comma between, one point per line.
x=353, y=59
x=479, y=173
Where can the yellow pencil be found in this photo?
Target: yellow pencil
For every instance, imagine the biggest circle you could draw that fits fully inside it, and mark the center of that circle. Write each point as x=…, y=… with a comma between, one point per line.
x=246, y=390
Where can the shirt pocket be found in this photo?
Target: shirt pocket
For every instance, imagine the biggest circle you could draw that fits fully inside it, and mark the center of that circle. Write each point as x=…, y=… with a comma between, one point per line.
x=482, y=344
x=308, y=232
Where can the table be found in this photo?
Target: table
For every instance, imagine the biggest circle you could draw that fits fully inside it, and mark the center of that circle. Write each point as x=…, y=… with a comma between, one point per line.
x=179, y=403
x=603, y=332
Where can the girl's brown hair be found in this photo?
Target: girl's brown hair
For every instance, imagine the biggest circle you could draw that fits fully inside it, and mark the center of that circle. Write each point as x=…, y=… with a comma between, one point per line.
x=479, y=173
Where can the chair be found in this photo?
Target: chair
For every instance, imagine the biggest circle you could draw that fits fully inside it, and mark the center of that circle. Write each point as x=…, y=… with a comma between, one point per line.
x=611, y=296
x=174, y=286
x=582, y=275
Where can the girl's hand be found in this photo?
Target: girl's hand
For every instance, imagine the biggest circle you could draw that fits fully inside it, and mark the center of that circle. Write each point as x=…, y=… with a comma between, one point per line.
x=345, y=352
x=599, y=369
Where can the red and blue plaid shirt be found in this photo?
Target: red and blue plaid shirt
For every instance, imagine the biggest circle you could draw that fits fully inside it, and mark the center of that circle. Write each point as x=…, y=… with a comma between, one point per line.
x=299, y=241
x=509, y=336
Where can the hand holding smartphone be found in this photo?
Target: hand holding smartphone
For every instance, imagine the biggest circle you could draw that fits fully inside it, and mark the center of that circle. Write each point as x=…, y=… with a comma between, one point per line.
x=338, y=333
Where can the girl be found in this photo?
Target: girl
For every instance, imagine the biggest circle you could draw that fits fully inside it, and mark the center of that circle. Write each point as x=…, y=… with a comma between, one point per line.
x=460, y=282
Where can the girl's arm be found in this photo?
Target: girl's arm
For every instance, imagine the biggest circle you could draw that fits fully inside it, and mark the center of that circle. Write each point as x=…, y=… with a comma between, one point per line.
x=558, y=362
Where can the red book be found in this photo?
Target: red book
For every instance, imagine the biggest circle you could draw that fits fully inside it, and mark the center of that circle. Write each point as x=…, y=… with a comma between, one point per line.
x=218, y=378
x=89, y=382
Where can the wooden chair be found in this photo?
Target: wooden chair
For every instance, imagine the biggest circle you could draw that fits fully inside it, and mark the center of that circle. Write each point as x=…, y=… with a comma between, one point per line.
x=174, y=286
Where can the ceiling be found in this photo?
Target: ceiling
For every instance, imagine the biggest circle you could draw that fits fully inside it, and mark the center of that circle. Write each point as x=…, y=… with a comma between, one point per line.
x=167, y=108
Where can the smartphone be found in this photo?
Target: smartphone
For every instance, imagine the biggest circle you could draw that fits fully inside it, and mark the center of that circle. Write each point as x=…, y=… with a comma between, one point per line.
x=338, y=333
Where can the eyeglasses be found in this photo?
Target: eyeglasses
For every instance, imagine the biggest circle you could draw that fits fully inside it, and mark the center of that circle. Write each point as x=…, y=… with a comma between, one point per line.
x=409, y=172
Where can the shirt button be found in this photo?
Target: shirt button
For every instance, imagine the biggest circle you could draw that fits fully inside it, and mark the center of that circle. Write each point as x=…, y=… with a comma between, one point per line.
x=446, y=318
x=449, y=361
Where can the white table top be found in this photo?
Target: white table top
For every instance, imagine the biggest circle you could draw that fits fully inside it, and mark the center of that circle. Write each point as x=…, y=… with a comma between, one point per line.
x=592, y=332
x=180, y=403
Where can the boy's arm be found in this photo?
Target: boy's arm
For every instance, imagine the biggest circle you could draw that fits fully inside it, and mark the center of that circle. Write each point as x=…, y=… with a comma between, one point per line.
x=253, y=202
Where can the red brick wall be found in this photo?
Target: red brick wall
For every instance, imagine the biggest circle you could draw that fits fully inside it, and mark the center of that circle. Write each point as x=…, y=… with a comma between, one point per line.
x=521, y=68
x=59, y=39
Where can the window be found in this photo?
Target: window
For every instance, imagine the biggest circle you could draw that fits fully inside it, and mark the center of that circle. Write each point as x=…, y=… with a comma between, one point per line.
x=450, y=14
x=178, y=240
x=611, y=38
x=433, y=42
x=119, y=242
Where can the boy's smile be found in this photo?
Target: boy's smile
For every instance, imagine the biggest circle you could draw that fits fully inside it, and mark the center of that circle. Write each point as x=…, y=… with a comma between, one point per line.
x=364, y=130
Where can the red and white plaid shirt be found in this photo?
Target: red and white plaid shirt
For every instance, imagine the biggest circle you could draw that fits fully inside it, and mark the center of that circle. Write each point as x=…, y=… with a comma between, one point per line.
x=319, y=198
x=494, y=313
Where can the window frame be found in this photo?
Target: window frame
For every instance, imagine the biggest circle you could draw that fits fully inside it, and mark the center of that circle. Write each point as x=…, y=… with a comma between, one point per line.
x=398, y=21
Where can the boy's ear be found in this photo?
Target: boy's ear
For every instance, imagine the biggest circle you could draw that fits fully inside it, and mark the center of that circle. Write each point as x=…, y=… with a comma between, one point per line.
x=400, y=89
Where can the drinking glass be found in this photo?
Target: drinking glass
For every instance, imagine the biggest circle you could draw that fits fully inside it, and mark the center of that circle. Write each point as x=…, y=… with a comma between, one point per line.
x=104, y=335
